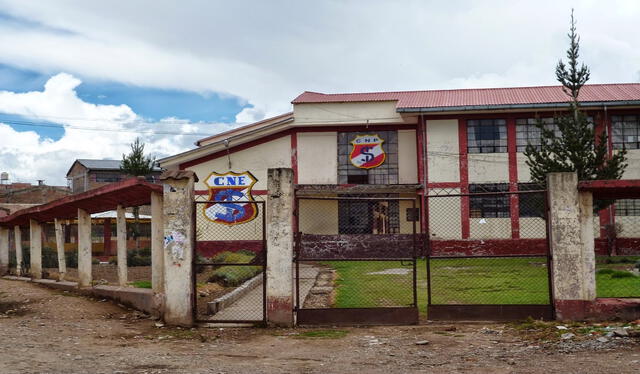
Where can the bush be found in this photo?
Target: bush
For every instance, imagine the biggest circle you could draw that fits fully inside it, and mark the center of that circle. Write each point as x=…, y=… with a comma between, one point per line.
x=71, y=258
x=605, y=271
x=621, y=274
x=141, y=257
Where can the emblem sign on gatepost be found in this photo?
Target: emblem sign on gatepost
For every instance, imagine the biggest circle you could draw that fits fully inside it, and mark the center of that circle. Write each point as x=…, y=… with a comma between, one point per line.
x=230, y=196
x=367, y=152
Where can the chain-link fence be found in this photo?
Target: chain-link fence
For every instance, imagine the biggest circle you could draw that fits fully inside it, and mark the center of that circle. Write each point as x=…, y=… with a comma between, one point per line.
x=230, y=260
x=488, y=248
x=357, y=252
x=617, y=245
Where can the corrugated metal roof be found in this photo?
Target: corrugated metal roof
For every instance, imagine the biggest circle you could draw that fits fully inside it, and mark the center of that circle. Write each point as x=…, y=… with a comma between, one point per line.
x=482, y=97
x=105, y=164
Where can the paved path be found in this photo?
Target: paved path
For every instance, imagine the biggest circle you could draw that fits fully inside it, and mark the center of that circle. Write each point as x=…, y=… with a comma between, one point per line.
x=249, y=306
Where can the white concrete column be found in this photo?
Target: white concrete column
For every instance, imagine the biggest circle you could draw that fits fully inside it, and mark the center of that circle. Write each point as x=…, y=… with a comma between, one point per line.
x=572, y=246
x=157, y=239
x=121, y=245
x=84, y=248
x=35, y=248
x=4, y=250
x=178, y=246
x=280, y=194
x=62, y=261
x=17, y=235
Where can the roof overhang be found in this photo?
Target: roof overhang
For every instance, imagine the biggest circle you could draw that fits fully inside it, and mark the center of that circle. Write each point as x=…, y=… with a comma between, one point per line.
x=549, y=106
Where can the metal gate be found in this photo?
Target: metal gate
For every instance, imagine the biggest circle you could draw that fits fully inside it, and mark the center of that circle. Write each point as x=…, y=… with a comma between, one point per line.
x=356, y=260
x=229, y=263
x=488, y=256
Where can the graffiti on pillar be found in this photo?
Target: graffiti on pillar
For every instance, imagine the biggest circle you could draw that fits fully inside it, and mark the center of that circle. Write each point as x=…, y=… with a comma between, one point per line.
x=230, y=198
x=367, y=152
x=174, y=243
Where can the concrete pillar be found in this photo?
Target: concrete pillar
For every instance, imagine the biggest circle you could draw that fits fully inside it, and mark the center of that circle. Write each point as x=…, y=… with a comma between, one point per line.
x=84, y=248
x=157, y=243
x=35, y=248
x=62, y=261
x=106, y=236
x=4, y=250
x=572, y=246
x=18, y=243
x=179, y=227
x=280, y=194
x=121, y=245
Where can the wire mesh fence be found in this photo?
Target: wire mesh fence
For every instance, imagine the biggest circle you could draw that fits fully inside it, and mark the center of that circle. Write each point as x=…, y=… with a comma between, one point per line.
x=617, y=245
x=488, y=247
x=230, y=260
x=357, y=252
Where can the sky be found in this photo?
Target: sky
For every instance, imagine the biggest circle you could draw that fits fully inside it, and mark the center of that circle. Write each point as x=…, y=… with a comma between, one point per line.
x=83, y=79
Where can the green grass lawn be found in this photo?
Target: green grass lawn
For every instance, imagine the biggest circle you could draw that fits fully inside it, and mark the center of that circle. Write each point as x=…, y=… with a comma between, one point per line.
x=460, y=281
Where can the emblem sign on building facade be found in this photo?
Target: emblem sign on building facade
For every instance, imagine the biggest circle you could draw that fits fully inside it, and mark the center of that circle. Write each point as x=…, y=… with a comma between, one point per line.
x=367, y=152
x=230, y=196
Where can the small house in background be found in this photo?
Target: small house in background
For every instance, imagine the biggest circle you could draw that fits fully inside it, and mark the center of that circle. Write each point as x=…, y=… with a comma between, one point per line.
x=16, y=196
x=86, y=174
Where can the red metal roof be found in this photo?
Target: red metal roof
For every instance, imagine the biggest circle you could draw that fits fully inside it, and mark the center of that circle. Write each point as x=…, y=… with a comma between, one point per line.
x=482, y=96
x=130, y=192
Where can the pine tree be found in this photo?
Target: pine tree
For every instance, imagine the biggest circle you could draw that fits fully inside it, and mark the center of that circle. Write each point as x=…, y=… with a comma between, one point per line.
x=574, y=147
x=137, y=164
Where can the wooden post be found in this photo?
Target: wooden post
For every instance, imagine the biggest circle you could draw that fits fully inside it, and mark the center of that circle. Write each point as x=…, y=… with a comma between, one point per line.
x=62, y=263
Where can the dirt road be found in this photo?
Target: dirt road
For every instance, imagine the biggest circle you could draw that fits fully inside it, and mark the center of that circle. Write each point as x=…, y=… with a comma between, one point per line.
x=46, y=331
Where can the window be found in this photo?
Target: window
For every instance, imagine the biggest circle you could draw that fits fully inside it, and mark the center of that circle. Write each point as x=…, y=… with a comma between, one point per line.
x=487, y=136
x=626, y=132
x=489, y=206
x=108, y=177
x=386, y=173
x=531, y=204
x=368, y=217
x=628, y=207
x=528, y=133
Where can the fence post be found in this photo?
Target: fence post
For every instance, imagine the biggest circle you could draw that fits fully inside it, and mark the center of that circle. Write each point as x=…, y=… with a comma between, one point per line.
x=280, y=196
x=84, y=249
x=35, y=248
x=4, y=250
x=572, y=246
x=178, y=246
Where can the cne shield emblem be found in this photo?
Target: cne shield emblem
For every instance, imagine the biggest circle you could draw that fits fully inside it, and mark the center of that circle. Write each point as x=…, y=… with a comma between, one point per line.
x=229, y=196
x=367, y=152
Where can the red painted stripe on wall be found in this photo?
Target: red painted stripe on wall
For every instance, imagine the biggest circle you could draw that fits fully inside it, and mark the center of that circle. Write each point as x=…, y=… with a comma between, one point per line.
x=464, y=177
x=513, y=177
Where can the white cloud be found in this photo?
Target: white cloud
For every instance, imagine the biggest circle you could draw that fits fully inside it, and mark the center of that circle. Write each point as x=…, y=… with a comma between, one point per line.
x=27, y=156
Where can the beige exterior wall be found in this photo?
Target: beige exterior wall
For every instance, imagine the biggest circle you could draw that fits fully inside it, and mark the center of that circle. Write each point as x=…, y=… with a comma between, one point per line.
x=488, y=167
x=444, y=216
x=346, y=113
x=523, y=170
x=318, y=216
x=257, y=159
x=490, y=228
x=633, y=170
x=318, y=158
x=406, y=227
x=533, y=228
x=628, y=226
x=407, y=157
x=442, y=150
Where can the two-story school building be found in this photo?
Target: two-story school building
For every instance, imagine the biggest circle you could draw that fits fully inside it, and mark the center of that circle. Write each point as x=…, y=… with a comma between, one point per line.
x=418, y=143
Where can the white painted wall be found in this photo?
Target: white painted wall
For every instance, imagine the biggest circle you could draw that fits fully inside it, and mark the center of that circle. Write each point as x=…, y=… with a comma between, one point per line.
x=490, y=228
x=273, y=154
x=318, y=157
x=442, y=150
x=523, y=170
x=407, y=157
x=633, y=170
x=346, y=113
x=444, y=215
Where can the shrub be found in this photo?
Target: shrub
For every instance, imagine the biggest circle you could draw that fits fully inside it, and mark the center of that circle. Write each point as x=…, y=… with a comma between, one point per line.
x=141, y=257
x=71, y=258
x=621, y=274
x=605, y=271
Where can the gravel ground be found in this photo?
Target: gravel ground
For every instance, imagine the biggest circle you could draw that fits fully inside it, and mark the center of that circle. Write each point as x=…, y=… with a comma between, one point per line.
x=46, y=331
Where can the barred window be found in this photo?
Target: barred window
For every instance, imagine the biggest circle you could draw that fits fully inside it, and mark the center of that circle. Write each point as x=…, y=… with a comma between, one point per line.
x=368, y=217
x=626, y=132
x=531, y=205
x=487, y=136
x=628, y=207
x=489, y=206
x=528, y=133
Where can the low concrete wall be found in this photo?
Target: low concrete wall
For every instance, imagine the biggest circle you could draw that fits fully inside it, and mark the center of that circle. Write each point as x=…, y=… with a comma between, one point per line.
x=107, y=273
x=137, y=298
